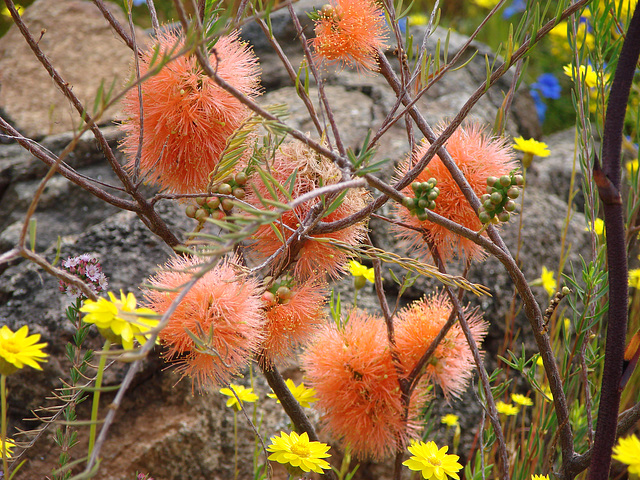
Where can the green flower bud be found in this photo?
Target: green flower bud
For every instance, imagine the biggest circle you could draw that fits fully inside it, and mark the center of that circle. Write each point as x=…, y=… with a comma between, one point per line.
x=241, y=178
x=510, y=206
x=433, y=194
x=505, y=180
x=224, y=189
x=432, y=205
x=422, y=216
x=284, y=293
x=484, y=217
x=504, y=216
x=359, y=282
x=227, y=204
x=201, y=200
x=485, y=197
x=407, y=202
x=491, y=181
x=201, y=214
x=213, y=203
x=488, y=205
x=239, y=193
x=519, y=180
x=191, y=210
x=433, y=182
x=416, y=186
x=496, y=198
x=423, y=203
x=513, y=192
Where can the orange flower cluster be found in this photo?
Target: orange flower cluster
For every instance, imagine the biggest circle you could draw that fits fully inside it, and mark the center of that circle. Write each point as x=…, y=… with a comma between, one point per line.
x=350, y=33
x=294, y=162
x=478, y=156
x=352, y=370
x=187, y=117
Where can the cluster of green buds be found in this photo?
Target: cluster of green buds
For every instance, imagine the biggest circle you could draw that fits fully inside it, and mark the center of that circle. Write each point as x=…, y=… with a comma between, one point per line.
x=232, y=186
x=498, y=202
x=279, y=293
x=425, y=198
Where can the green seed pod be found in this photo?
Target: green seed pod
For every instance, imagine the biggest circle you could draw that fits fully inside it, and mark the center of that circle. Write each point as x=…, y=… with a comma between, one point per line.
x=432, y=205
x=504, y=216
x=433, y=182
x=284, y=293
x=484, y=217
x=505, y=180
x=432, y=195
x=407, y=202
x=224, y=189
x=510, y=206
x=191, y=210
x=496, y=198
x=227, y=204
x=513, y=192
x=490, y=189
x=359, y=282
x=239, y=193
x=491, y=181
x=485, y=197
x=241, y=178
x=423, y=203
x=566, y=290
x=213, y=203
x=422, y=216
x=417, y=187
x=488, y=205
x=426, y=186
x=201, y=214
x=519, y=180
x=201, y=200
x=436, y=189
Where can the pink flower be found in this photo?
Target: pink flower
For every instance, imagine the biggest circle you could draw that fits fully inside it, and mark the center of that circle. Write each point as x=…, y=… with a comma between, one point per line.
x=478, y=156
x=452, y=364
x=187, y=116
x=314, y=256
x=223, y=310
x=357, y=386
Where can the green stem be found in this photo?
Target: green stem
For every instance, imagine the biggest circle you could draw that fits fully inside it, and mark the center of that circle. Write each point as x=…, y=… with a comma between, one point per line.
x=96, y=396
x=3, y=435
x=235, y=437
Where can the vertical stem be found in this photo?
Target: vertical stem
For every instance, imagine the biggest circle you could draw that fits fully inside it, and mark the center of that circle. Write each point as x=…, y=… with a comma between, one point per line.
x=96, y=395
x=235, y=439
x=3, y=435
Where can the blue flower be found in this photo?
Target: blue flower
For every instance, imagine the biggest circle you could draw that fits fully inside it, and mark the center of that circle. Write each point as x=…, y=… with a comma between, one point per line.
x=139, y=2
x=517, y=6
x=541, y=107
x=548, y=86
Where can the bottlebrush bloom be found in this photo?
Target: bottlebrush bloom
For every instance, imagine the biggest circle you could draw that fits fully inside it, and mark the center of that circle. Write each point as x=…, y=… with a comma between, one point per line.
x=293, y=320
x=314, y=257
x=187, y=116
x=478, y=156
x=357, y=386
x=223, y=310
x=350, y=33
x=451, y=366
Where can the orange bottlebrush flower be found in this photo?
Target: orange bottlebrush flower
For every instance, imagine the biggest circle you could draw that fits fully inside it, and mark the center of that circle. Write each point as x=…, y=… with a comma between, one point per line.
x=357, y=386
x=478, y=156
x=452, y=364
x=349, y=33
x=187, y=116
x=314, y=257
x=293, y=320
x=223, y=310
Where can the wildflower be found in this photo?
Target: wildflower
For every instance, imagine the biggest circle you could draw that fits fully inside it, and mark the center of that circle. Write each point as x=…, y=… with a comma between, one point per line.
x=548, y=86
x=507, y=408
x=530, y=148
x=634, y=278
x=489, y=4
x=450, y=420
x=4, y=11
x=19, y=349
x=587, y=74
x=418, y=19
x=546, y=392
x=541, y=107
x=88, y=269
x=350, y=33
x=305, y=396
x=119, y=320
x=517, y=6
x=187, y=116
x=8, y=446
x=217, y=327
x=433, y=462
x=631, y=167
x=627, y=451
x=539, y=477
x=548, y=281
x=521, y=400
x=357, y=386
x=298, y=453
x=243, y=393
x=598, y=226
x=295, y=163
x=292, y=321
x=452, y=364
x=361, y=274
x=478, y=156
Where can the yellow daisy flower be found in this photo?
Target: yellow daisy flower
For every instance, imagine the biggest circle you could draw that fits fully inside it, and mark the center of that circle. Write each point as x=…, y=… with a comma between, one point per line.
x=450, y=420
x=531, y=146
x=19, y=349
x=433, y=462
x=305, y=396
x=539, y=477
x=8, y=446
x=587, y=74
x=119, y=320
x=521, y=400
x=361, y=274
x=298, y=454
x=507, y=409
x=627, y=451
x=634, y=278
x=244, y=394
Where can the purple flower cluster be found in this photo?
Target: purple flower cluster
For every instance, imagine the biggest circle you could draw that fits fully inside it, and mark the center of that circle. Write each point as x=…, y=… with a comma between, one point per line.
x=88, y=269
